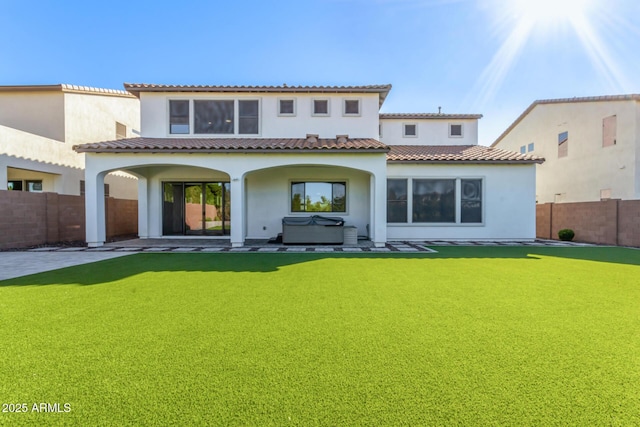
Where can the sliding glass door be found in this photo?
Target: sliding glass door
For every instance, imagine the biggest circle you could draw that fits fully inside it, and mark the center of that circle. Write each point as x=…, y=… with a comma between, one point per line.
x=196, y=208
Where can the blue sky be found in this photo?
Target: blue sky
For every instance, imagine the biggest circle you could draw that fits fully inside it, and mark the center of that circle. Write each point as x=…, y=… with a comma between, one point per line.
x=492, y=57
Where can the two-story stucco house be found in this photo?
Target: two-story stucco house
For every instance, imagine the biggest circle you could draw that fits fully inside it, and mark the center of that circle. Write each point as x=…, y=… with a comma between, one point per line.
x=39, y=124
x=591, y=146
x=231, y=161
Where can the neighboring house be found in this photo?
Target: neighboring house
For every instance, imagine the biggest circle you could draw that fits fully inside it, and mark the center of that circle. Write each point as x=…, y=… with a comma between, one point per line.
x=40, y=124
x=591, y=147
x=232, y=161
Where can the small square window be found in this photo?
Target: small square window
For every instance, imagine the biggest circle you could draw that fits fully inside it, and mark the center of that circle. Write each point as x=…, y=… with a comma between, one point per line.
x=286, y=107
x=455, y=130
x=351, y=107
x=530, y=147
x=523, y=149
x=320, y=107
x=410, y=130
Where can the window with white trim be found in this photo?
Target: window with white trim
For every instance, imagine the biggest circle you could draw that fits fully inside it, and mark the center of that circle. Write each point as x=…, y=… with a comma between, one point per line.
x=455, y=130
x=317, y=196
x=435, y=201
x=179, y=117
x=320, y=107
x=530, y=147
x=351, y=107
x=523, y=149
x=409, y=130
x=287, y=107
x=214, y=117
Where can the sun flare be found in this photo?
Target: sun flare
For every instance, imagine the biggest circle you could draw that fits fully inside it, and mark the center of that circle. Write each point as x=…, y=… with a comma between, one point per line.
x=519, y=21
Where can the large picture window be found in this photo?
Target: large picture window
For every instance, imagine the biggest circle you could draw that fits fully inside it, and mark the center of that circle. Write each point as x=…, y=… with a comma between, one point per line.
x=214, y=117
x=318, y=197
x=435, y=201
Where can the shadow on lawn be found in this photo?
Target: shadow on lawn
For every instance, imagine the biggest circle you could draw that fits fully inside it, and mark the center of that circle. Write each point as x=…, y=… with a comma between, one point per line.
x=119, y=268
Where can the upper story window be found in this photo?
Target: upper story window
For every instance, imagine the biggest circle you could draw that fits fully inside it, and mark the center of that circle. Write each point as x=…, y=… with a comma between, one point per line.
x=609, y=130
x=320, y=107
x=530, y=147
x=248, y=117
x=286, y=107
x=563, y=144
x=121, y=131
x=179, y=117
x=409, y=130
x=351, y=107
x=523, y=149
x=455, y=130
x=215, y=117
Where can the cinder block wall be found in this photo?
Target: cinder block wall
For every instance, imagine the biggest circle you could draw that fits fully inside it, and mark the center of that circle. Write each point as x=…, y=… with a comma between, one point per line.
x=608, y=222
x=629, y=223
x=23, y=219
x=31, y=219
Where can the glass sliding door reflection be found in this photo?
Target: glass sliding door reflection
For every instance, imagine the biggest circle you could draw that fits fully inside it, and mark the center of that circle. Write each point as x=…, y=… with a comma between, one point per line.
x=196, y=208
x=193, y=208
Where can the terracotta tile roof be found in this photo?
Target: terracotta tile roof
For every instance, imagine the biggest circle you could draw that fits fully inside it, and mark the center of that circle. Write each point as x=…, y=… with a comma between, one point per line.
x=217, y=145
x=412, y=116
x=136, y=88
x=606, y=98
x=67, y=88
x=456, y=154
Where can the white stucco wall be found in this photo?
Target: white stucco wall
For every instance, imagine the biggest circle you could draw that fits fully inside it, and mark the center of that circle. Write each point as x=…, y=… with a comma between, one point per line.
x=246, y=173
x=269, y=197
x=508, y=203
x=589, y=167
x=43, y=127
x=93, y=117
x=430, y=132
x=38, y=113
x=155, y=115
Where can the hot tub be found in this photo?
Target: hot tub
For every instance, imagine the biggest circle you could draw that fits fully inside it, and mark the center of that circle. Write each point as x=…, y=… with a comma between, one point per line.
x=314, y=229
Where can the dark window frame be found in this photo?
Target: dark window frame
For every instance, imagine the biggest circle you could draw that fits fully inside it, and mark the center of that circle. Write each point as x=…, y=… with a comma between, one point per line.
x=298, y=206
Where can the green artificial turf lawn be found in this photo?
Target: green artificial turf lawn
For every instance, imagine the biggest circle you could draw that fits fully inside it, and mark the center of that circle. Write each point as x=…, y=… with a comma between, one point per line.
x=468, y=336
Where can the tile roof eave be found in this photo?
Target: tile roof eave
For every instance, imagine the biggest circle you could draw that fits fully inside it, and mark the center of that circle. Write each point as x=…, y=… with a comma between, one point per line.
x=474, y=162
x=80, y=149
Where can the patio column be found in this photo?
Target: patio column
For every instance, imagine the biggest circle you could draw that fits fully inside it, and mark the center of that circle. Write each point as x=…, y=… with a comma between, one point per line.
x=94, y=208
x=237, y=210
x=143, y=207
x=378, y=227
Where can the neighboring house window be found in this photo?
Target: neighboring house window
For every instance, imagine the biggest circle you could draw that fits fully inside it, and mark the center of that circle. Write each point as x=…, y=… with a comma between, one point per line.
x=523, y=149
x=248, y=117
x=434, y=200
x=409, y=130
x=563, y=144
x=318, y=196
x=82, y=189
x=213, y=117
x=287, y=107
x=121, y=131
x=471, y=200
x=455, y=130
x=14, y=185
x=34, y=186
x=380, y=130
x=396, y=200
x=609, y=130
x=320, y=107
x=530, y=147
x=179, y=117
x=351, y=107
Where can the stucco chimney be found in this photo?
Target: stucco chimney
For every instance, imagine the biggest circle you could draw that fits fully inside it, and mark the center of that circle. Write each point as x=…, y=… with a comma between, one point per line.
x=312, y=137
x=342, y=138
